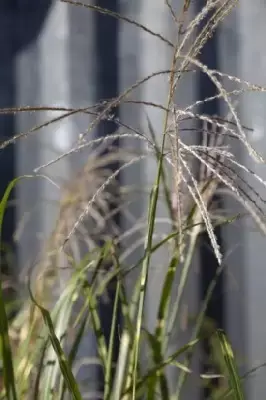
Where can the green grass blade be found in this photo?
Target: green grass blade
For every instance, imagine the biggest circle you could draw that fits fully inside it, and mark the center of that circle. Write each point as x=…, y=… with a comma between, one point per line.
x=157, y=340
x=36, y=388
x=62, y=360
x=198, y=327
x=91, y=301
x=109, y=367
x=74, y=349
x=144, y=272
x=60, y=318
x=6, y=352
x=77, y=284
x=72, y=355
x=227, y=393
x=229, y=359
x=165, y=299
x=155, y=345
x=154, y=371
x=82, y=269
x=125, y=365
x=163, y=173
x=108, y=372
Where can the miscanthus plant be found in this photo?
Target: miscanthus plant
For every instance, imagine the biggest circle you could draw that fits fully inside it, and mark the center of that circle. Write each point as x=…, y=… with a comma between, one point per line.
x=39, y=346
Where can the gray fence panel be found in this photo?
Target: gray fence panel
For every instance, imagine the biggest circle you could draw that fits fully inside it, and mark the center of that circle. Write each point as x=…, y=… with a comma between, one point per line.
x=243, y=55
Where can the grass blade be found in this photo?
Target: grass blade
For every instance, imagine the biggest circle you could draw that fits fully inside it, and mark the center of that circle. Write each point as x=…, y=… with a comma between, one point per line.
x=36, y=389
x=155, y=344
x=72, y=355
x=163, y=311
x=231, y=366
x=91, y=302
x=144, y=272
x=164, y=174
x=62, y=360
x=109, y=369
x=154, y=371
x=6, y=352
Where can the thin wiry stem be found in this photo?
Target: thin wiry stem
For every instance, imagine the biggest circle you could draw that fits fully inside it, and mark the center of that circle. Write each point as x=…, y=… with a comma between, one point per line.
x=111, y=13
x=172, y=11
x=93, y=142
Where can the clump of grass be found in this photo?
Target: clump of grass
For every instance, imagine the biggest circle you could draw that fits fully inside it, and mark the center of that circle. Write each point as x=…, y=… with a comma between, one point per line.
x=39, y=348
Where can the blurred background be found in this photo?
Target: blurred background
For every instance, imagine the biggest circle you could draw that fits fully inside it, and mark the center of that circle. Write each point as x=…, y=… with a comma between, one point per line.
x=57, y=54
